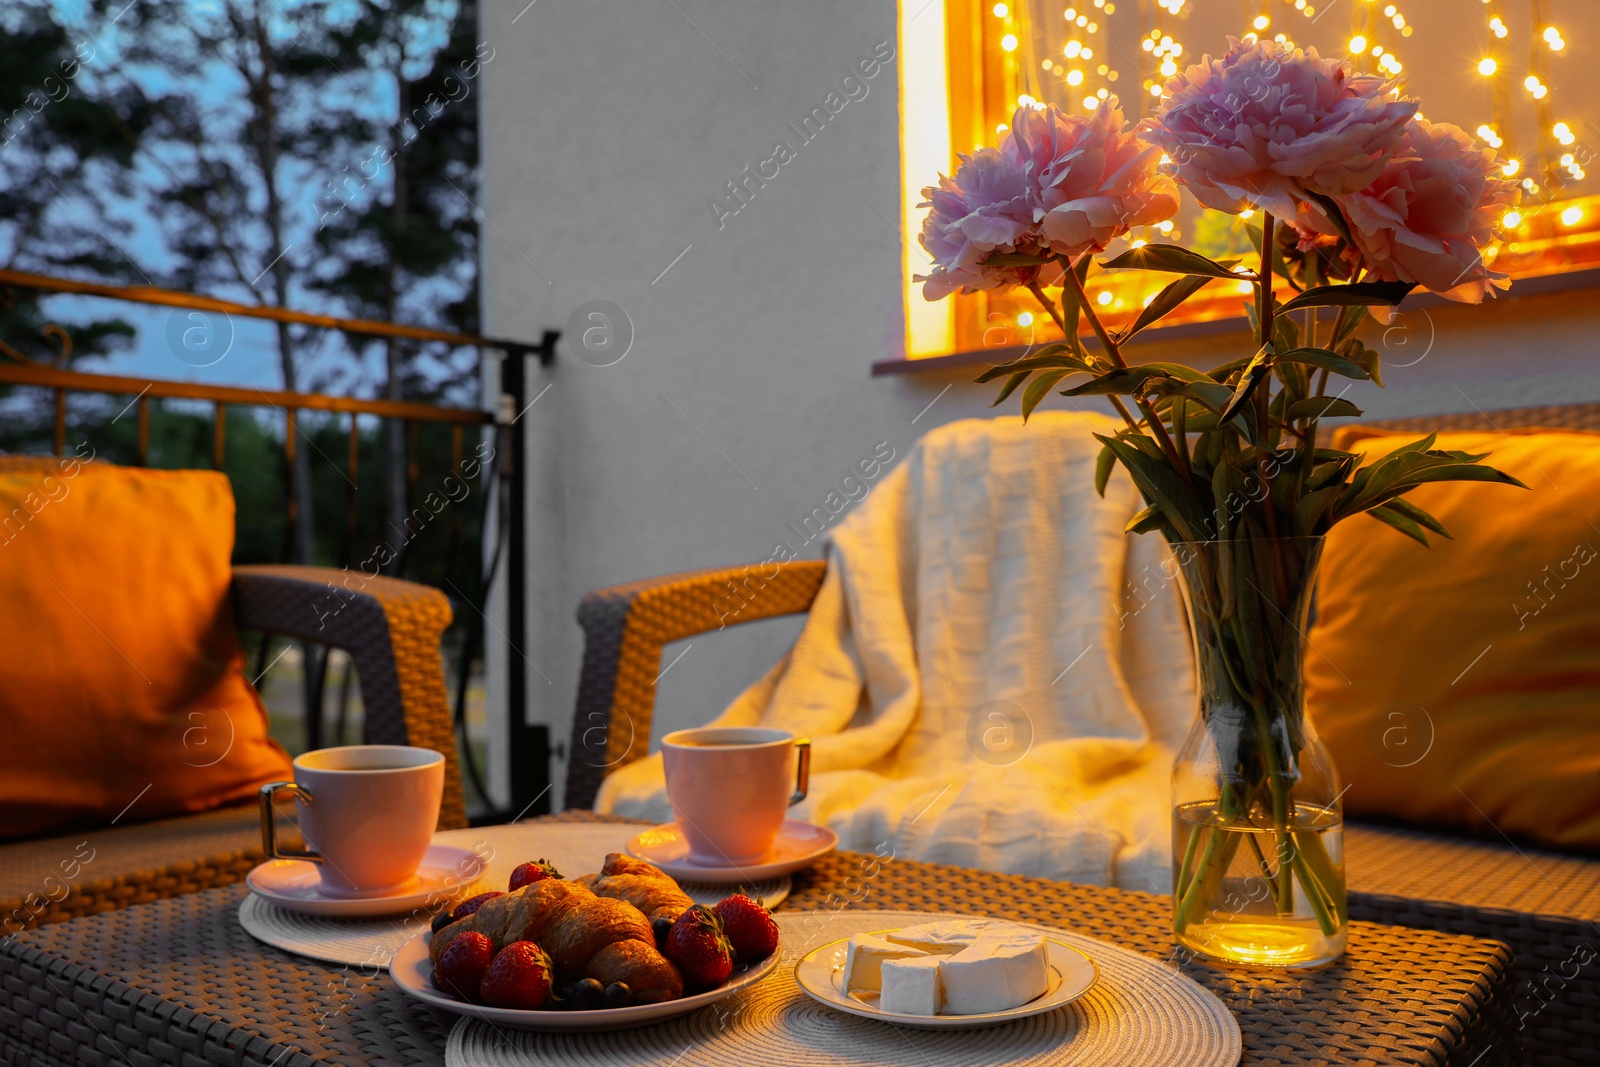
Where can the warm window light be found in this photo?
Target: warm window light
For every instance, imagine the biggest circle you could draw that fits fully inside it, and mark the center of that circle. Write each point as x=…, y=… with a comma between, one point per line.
x=1572, y=216
x=1103, y=299
x=1358, y=44
x=1512, y=220
x=1487, y=66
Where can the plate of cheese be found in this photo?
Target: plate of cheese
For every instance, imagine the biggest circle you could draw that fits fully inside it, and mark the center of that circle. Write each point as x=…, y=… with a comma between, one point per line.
x=955, y=974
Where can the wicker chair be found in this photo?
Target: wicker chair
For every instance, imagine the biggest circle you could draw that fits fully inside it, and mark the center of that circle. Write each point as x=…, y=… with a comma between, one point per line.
x=390, y=628
x=1545, y=905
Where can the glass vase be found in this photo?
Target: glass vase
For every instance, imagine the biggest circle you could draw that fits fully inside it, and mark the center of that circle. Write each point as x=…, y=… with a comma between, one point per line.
x=1257, y=826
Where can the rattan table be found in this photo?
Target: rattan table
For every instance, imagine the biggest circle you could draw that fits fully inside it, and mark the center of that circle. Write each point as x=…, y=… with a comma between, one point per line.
x=179, y=982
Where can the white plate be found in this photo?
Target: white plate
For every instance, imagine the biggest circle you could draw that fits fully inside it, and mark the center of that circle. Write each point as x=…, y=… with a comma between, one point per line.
x=799, y=844
x=821, y=975
x=413, y=972
x=446, y=872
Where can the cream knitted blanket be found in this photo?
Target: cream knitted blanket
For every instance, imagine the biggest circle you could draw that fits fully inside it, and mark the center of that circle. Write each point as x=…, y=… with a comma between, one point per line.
x=993, y=674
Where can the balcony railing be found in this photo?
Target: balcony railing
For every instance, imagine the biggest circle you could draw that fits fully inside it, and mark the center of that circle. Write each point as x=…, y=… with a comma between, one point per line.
x=527, y=746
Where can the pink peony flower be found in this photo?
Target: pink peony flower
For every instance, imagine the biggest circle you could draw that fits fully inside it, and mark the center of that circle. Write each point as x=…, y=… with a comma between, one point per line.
x=1266, y=125
x=1057, y=184
x=1089, y=178
x=982, y=210
x=1431, y=211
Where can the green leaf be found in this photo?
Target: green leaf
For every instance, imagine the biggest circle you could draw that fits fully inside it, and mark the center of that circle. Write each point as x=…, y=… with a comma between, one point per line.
x=1173, y=259
x=1344, y=327
x=1395, y=519
x=1103, y=464
x=1325, y=360
x=1147, y=521
x=1358, y=293
x=1330, y=208
x=1252, y=375
x=1059, y=359
x=1321, y=407
x=1038, y=389
x=1160, y=485
x=1309, y=511
x=1417, y=515
x=1365, y=358
x=1214, y=395
x=1126, y=381
x=1010, y=387
x=1166, y=302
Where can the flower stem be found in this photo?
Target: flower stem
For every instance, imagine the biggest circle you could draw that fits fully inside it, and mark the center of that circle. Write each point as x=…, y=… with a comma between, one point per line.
x=1038, y=291
x=1115, y=352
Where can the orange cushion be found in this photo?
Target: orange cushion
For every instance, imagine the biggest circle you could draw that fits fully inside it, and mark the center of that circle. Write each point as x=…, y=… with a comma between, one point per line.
x=122, y=688
x=1460, y=686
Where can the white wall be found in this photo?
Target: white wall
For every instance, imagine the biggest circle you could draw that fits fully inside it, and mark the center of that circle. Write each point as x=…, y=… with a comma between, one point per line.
x=746, y=396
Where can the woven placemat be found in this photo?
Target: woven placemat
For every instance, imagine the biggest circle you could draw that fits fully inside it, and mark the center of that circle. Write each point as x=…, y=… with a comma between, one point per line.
x=573, y=849
x=1139, y=1012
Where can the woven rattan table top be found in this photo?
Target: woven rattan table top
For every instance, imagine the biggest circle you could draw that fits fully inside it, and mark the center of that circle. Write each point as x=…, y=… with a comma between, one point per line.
x=178, y=981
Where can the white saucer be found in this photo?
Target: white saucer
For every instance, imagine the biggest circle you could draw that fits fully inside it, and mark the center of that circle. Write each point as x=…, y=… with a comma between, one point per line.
x=821, y=975
x=413, y=973
x=799, y=844
x=296, y=885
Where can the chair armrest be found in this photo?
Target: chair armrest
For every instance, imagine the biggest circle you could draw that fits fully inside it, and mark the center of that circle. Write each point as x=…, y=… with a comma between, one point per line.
x=391, y=629
x=625, y=628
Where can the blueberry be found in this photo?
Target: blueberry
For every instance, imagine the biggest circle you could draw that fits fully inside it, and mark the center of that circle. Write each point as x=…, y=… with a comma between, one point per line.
x=662, y=927
x=618, y=995
x=588, y=994
x=441, y=920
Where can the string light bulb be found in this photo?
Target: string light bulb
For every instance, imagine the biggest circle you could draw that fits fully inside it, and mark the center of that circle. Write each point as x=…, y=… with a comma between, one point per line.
x=1358, y=45
x=1487, y=67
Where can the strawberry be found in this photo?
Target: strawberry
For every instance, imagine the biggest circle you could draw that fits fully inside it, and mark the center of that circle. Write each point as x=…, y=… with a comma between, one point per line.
x=699, y=949
x=462, y=963
x=472, y=904
x=750, y=930
x=531, y=872
x=519, y=977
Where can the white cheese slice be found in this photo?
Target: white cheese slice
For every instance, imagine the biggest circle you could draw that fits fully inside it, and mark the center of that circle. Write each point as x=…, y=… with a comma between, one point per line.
x=998, y=971
x=911, y=986
x=864, y=960
x=949, y=935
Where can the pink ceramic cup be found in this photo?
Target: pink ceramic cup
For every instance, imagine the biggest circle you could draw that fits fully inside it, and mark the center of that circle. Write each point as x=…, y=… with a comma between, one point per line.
x=731, y=786
x=368, y=813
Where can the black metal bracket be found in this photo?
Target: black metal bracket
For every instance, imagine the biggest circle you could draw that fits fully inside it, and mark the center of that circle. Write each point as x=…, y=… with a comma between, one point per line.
x=545, y=349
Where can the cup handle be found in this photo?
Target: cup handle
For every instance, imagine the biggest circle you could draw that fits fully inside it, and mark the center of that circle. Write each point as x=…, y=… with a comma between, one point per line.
x=269, y=829
x=802, y=770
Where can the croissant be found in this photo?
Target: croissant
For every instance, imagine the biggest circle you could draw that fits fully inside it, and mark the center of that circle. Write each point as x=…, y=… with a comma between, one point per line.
x=644, y=886
x=586, y=936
